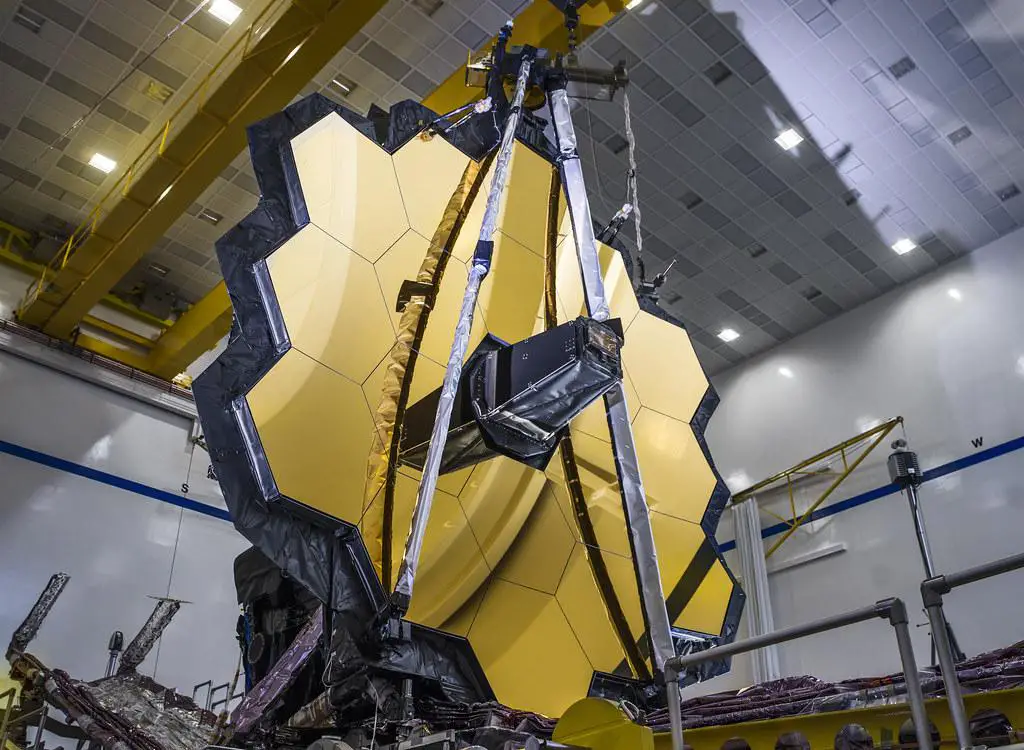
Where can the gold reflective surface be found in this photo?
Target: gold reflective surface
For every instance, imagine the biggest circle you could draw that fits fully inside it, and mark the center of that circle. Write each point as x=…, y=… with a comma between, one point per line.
x=316, y=429
x=503, y=561
x=322, y=287
x=350, y=187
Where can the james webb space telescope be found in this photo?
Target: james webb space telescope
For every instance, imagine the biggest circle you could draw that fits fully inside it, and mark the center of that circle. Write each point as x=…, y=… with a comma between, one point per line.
x=439, y=381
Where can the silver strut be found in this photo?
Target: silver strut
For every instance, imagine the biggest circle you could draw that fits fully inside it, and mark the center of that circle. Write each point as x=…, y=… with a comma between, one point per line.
x=478, y=270
x=627, y=467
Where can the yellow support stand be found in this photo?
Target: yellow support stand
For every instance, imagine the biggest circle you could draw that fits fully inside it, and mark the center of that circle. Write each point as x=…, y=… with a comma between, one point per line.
x=601, y=725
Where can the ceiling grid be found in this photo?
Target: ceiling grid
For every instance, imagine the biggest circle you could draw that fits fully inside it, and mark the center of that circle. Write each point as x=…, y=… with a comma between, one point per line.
x=911, y=111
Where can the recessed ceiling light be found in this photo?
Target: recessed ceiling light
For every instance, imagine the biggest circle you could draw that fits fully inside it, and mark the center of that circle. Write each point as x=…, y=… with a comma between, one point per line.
x=648, y=9
x=728, y=334
x=955, y=294
x=904, y=246
x=103, y=163
x=159, y=270
x=225, y=10
x=210, y=217
x=785, y=372
x=789, y=139
x=634, y=4
x=342, y=85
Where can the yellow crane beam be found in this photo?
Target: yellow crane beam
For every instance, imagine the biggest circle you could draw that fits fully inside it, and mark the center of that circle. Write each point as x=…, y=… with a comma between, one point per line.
x=290, y=41
x=541, y=24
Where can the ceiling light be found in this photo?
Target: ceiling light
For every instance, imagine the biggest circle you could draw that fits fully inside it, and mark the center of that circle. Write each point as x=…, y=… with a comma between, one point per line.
x=728, y=334
x=649, y=9
x=634, y=4
x=225, y=10
x=789, y=139
x=904, y=246
x=159, y=270
x=955, y=294
x=785, y=372
x=103, y=163
x=342, y=85
x=210, y=217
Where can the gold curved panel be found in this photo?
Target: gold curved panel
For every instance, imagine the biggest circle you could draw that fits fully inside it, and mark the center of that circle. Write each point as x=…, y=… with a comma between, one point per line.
x=618, y=287
x=350, y=187
x=321, y=288
x=497, y=499
x=532, y=658
x=401, y=262
x=512, y=297
x=677, y=477
x=677, y=542
x=523, y=205
x=426, y=378
x=540, y=558
x=665, y=372
x=451, y=566
x=706, y=611
x=584, y=609
x=315, y=429
x=503, y=562
x=601, y=489
x=429, y=170
x=594, y=419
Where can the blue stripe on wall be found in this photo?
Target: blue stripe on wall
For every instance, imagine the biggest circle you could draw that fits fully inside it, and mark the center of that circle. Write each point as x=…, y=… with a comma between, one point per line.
x=163, y=496
x=891, y=489
x=45, y=459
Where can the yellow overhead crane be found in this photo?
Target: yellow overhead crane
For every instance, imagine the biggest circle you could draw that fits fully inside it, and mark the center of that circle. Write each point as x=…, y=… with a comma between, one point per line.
x=289, y=42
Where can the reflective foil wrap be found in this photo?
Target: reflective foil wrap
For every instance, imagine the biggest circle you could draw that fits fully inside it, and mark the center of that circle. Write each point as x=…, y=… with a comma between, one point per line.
x=460, y=345
x=634, y=502
x=130, y=712
x=28, y=629
x=579, y=206
x=627, y=467
x=432, y=465
x=501, y=165
x=280, y=676
x=141, y=645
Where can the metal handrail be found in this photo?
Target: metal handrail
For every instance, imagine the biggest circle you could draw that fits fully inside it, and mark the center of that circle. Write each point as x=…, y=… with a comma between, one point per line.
x=932, y=591
x=892, y=610
x=106, y=363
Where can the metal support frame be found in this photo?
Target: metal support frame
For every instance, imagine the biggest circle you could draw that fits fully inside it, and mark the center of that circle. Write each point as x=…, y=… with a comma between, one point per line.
x=401, y=597
x=627, y=465
x=932, y=591
x=793, y=474
x=892, y=610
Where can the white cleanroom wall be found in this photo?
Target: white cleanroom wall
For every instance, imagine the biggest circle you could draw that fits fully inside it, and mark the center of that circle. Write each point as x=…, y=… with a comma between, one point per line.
x=89, y=482
x=946, y=353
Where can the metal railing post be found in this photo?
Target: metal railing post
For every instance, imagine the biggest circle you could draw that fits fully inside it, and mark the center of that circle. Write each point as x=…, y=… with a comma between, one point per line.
x=915, y=695
x=932, y=591
x=892, y=610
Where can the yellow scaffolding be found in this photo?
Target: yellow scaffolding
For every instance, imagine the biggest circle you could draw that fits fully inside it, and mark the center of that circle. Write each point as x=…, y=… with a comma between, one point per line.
x=866, y=441
x=289, y=41
x=17, y=241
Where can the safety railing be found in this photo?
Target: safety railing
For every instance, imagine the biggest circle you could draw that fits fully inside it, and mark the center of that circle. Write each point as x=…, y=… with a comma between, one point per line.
x=932, y=592
x=892, y=610
x=98, y=360
x=157, y=145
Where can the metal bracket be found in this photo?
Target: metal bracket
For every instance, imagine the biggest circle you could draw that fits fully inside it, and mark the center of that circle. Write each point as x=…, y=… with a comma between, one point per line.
x=410, y=289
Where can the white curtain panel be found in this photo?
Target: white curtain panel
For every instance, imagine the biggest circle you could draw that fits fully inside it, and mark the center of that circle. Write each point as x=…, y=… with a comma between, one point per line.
x=755, y=583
